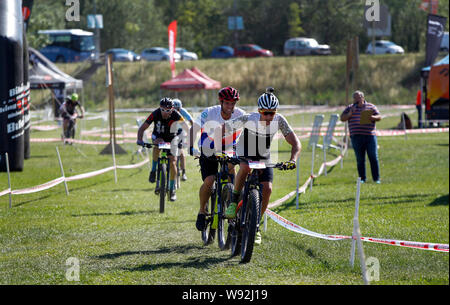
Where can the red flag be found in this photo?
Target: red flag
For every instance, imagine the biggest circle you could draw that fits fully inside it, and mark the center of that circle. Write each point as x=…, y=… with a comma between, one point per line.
x=172, y=29
x=425, y=5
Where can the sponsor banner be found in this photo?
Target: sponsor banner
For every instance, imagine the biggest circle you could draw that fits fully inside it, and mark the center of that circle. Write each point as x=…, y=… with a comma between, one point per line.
x=435, y=32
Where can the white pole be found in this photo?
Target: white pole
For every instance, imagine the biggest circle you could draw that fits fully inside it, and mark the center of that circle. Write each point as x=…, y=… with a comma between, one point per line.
x=114, y=158
x=355, y=222
x=265, y=222
x=362, y=259
x=325, y=159
x=312, y=166
x=62, y=171
x=298, y=182
x=9, y=180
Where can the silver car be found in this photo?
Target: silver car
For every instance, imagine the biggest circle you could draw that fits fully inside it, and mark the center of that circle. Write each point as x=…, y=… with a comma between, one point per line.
x=186, y=55
x=158, y=54
x=305, y=46
x=384, y=47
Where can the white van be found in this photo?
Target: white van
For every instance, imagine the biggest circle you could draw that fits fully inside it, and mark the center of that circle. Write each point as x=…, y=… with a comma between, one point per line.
x=444, y=42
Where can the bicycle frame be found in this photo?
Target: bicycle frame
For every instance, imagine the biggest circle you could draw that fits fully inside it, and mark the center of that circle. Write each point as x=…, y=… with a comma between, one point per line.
x=222, y=178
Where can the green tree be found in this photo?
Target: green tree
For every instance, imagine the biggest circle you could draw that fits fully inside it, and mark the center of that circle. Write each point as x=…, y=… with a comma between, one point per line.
x=295, y=24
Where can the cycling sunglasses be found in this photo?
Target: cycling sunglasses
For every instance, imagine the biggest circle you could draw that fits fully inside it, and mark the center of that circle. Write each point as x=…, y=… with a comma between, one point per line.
x=267, y=112
x=168, y=110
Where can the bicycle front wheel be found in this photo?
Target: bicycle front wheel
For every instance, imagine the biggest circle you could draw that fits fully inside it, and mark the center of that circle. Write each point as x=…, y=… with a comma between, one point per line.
x=251, y=224
x=162, y=187
x=208, y=234
x=224, y=234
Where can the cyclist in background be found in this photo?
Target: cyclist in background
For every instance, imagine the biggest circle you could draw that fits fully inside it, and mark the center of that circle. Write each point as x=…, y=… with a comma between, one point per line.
x=164, y=131
x=209, y=119
x=69, y=115
x=178, y=105
x=259, y=128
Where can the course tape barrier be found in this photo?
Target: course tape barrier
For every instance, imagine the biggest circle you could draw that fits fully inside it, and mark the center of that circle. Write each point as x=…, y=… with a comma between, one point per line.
x=89, y=142
x=401, y=243
x=302, y=189
x=38, y=188
x=298, y=229
x=59, y=180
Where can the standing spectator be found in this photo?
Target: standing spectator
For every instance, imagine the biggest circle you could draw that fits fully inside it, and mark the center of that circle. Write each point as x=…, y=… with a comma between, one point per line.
x=363, y=134
x=419, y=106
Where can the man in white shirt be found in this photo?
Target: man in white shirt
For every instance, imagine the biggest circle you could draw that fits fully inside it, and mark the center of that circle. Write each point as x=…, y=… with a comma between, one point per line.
x=209, y=119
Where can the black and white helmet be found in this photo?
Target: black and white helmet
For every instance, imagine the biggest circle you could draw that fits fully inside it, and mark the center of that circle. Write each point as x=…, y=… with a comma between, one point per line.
x=268, y=100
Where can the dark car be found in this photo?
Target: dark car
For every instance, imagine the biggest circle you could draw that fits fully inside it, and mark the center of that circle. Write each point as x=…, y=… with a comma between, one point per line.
x=123, y=55
x=222, y=52
x=251, y=50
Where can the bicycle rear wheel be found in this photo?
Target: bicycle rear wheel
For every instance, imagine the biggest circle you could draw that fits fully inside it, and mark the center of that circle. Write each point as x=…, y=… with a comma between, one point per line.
x=251, y=223
x=223, y=234
x=208, y=234
x=162, y=187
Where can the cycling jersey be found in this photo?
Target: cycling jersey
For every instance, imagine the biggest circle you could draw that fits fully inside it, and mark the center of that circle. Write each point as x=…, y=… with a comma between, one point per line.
x=256, y=138
x=67, y=109
x=211, y=118
x=163, y=127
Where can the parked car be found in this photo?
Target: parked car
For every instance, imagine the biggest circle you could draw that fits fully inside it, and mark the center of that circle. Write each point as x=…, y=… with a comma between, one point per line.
x=186, y=55
x=123, y=55
x=444, y=42
x=222, y=52
x=384, y=47
x=251, y=50
x=305, y=46
x=157, y=53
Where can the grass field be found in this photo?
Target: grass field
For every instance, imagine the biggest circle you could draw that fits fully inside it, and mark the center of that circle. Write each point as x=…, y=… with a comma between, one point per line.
x=119, y=237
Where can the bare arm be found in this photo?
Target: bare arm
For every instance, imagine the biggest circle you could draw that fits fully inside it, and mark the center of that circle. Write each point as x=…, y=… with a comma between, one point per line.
x=141, y=130
x=375, y=118
x=195, y=128
x=81, y=110
x=292, y=139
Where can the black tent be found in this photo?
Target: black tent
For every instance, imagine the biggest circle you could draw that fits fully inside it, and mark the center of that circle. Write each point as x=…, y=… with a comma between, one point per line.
x=44, y=74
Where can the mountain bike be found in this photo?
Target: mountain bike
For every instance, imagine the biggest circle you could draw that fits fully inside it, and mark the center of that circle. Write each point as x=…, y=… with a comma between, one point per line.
x=162, y=174
x=246, y=223
x=220, y=199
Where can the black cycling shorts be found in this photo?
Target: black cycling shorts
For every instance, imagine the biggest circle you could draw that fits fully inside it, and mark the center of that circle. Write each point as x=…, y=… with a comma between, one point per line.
x=266, y=174
x=208, y=166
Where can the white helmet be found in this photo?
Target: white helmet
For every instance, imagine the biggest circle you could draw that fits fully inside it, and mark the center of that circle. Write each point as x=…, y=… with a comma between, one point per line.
x=177, y=103
x=268, y=100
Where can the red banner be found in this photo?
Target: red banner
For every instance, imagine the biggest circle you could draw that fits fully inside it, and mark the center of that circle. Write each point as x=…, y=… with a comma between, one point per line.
x=425, y=5
x=172, y=29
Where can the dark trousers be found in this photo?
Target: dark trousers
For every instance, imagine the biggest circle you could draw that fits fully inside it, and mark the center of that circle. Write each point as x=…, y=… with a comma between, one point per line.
x=419, y=114
x=361, y=145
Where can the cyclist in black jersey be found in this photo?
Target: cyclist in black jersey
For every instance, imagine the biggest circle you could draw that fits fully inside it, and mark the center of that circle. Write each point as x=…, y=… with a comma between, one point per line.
x=164, y=130
x=70, y=115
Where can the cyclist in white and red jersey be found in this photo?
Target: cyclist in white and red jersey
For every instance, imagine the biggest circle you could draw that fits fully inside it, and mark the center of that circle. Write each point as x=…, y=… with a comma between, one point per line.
x=209, y=119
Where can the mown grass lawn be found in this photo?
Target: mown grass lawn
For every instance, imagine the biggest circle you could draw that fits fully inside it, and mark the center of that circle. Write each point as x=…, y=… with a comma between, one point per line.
x=119, y=237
